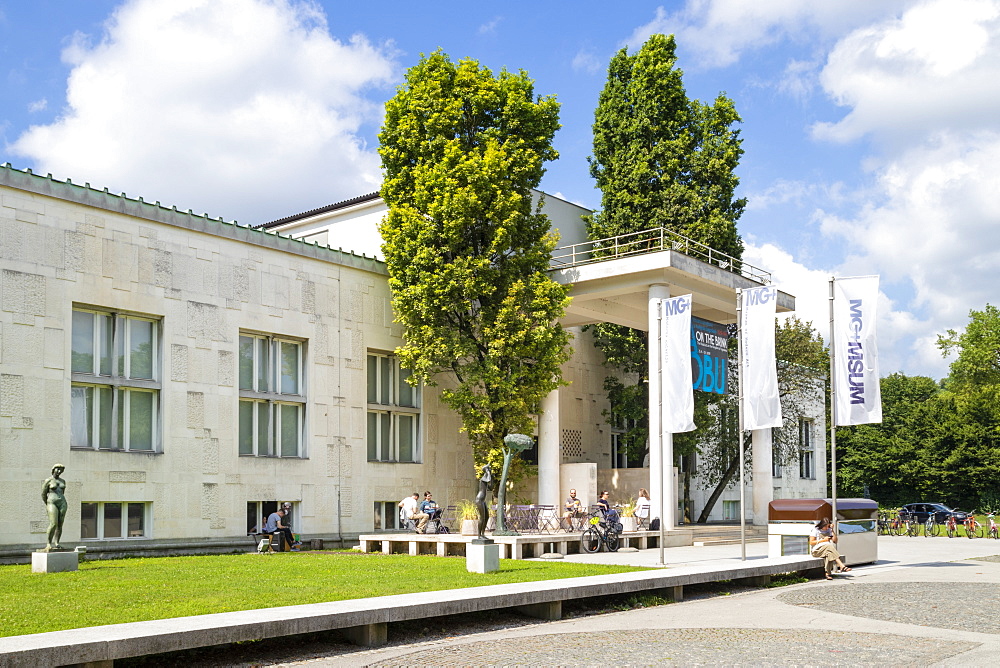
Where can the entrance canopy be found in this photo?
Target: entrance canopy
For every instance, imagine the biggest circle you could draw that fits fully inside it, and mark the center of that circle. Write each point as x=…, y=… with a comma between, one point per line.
x=611, y=278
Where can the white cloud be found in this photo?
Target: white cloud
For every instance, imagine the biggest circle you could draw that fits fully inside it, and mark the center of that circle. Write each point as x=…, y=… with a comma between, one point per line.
x=202, y=103
x=38, y=105
x=935, y=223
x=586, y=61
x=490, y=27
x=933, y=68
x=906, y=343
x=718, y=32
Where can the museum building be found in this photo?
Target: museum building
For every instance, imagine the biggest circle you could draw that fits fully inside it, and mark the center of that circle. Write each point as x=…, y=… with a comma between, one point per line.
x=191, y=373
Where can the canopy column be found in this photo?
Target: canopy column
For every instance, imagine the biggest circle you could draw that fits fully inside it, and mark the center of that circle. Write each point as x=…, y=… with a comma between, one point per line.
x=763, y=470
x=663, y=493
x=548, y=451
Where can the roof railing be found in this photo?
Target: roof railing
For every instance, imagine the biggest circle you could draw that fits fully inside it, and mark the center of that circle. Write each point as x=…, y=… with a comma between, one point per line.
x=651, y=241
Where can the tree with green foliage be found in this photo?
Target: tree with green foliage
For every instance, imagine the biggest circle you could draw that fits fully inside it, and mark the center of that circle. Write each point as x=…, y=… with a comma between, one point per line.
x=938, y=441
x=466, y=250
x=660, y=159
x=977, y=347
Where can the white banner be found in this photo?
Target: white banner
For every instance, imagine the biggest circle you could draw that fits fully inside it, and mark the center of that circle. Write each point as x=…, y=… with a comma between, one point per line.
x=675, y=356
x=761, y=404
x=855, y=372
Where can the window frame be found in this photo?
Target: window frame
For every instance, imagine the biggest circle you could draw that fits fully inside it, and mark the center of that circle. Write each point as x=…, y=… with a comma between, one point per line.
x=389, y=378
x=116, y=378
x=100, y=519
x=807, y=450
x=267, y=391
x=777, y=468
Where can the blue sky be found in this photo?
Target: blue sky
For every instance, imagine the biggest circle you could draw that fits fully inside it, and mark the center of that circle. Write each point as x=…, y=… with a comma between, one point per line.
x=871, y=129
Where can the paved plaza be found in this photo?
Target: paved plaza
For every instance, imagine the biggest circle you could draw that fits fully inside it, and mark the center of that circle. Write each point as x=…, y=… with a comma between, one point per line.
x=932, y=601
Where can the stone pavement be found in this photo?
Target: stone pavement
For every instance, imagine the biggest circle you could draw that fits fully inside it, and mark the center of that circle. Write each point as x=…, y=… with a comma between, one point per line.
x=925, y=603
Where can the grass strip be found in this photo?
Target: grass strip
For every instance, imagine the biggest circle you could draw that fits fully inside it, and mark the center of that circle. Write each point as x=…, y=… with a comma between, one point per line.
x=132, y=590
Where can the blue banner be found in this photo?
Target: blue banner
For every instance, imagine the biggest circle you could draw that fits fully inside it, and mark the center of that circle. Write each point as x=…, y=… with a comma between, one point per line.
x=709, y=355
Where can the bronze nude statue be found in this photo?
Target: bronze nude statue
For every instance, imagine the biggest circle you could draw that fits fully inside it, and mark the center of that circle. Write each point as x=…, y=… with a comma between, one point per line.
x=485, y=482
x=54, y=497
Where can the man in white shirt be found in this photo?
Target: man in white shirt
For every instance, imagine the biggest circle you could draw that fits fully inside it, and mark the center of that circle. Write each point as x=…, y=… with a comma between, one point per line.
x=410, y=512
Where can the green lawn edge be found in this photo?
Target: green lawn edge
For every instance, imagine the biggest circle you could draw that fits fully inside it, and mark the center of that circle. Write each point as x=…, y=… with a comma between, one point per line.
x=132, y=590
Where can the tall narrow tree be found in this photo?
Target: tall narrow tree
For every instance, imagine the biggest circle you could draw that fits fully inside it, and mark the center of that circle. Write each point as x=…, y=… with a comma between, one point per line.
x=660, y=159
x=466, y=250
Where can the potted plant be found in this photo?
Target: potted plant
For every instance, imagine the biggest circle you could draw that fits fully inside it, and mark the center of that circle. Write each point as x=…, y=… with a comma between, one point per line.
x=629, y=521
x=468, y=514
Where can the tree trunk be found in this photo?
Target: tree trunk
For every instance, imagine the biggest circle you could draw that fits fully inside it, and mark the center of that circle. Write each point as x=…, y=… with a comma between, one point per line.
x=730, y=472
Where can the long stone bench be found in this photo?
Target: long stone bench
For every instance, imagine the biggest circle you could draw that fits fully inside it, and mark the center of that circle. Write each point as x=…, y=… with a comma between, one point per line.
x=524, y=546
x=364, y=620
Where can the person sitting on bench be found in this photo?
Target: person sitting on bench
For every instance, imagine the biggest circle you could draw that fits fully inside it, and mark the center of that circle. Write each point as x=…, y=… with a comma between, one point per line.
x=274, y=525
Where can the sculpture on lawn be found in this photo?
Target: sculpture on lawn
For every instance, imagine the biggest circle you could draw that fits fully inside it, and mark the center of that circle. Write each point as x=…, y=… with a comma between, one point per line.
x=54, y=497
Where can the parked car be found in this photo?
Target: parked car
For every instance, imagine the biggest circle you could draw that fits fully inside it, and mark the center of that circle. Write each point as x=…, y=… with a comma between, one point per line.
x=941, y=512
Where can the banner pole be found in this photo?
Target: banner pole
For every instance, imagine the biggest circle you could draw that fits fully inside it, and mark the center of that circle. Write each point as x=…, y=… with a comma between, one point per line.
x=739, y=399
x=833, y=407
x=663, y=463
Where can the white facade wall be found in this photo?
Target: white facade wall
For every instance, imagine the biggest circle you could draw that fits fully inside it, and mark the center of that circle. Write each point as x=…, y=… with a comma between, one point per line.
x=355, y=227
x=205, y=282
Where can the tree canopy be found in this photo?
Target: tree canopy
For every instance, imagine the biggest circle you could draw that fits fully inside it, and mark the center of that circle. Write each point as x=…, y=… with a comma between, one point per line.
x=466, y=250
x=661, y=158
x=938, y=441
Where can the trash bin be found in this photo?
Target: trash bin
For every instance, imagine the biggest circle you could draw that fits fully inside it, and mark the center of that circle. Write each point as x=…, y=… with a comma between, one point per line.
x=790, y=521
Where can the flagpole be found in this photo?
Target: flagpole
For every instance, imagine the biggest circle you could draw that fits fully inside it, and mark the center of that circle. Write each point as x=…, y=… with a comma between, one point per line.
x=739, y=399
x=663, y=464
x=833, y=407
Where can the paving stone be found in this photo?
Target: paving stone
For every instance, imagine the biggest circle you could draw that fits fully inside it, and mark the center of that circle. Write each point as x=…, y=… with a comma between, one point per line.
x=691, y=647
x=946, y=605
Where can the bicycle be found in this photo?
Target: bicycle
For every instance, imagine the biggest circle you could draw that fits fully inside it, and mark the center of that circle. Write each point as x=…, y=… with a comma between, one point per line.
x=993, y=531
x=951, y=526
x=931, y=526
x=599, y=532
x=912, y=526
x=973, y=529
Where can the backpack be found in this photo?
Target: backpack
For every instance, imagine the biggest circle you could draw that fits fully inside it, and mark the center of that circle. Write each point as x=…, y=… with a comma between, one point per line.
x=654, y=524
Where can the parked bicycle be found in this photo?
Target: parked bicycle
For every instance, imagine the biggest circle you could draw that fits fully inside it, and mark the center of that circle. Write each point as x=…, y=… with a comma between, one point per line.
x=600, y=533
x=931, y=526
x=973, y=529
x=993, y=531
x=912, y=525
x=951, y=526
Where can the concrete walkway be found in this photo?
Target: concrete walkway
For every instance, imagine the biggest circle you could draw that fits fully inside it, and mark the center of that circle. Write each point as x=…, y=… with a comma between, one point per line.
x=924, y=603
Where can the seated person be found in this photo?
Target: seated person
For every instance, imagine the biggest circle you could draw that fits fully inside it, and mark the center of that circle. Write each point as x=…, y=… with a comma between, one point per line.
x=574, y=509
x=275, y=525
x=823, y=544
x=409, y=511
x=642, y=505
x=604, y=504
x=430, y=507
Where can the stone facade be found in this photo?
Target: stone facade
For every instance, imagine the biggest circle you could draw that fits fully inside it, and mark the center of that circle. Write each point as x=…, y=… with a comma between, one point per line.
x=202, y=282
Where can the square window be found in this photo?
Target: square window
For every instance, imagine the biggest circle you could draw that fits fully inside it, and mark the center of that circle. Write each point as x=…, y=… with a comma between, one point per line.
x=114, y=520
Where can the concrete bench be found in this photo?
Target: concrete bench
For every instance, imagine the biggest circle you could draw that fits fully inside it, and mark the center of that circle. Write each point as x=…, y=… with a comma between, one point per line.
x=364, y=620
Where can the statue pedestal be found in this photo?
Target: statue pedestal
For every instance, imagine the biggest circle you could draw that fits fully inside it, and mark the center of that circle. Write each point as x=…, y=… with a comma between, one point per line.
x=54, y=562
x=482, y=556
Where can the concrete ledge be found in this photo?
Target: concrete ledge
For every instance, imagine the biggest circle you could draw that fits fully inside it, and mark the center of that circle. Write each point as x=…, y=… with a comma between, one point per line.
x=511, y=547
x=362, y=618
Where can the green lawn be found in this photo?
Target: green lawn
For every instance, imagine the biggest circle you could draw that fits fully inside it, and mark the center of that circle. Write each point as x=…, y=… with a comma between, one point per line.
x=130, y=590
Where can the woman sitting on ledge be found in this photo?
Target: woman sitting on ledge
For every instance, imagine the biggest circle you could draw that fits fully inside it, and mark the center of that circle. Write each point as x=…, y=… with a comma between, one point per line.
x=823, y=543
